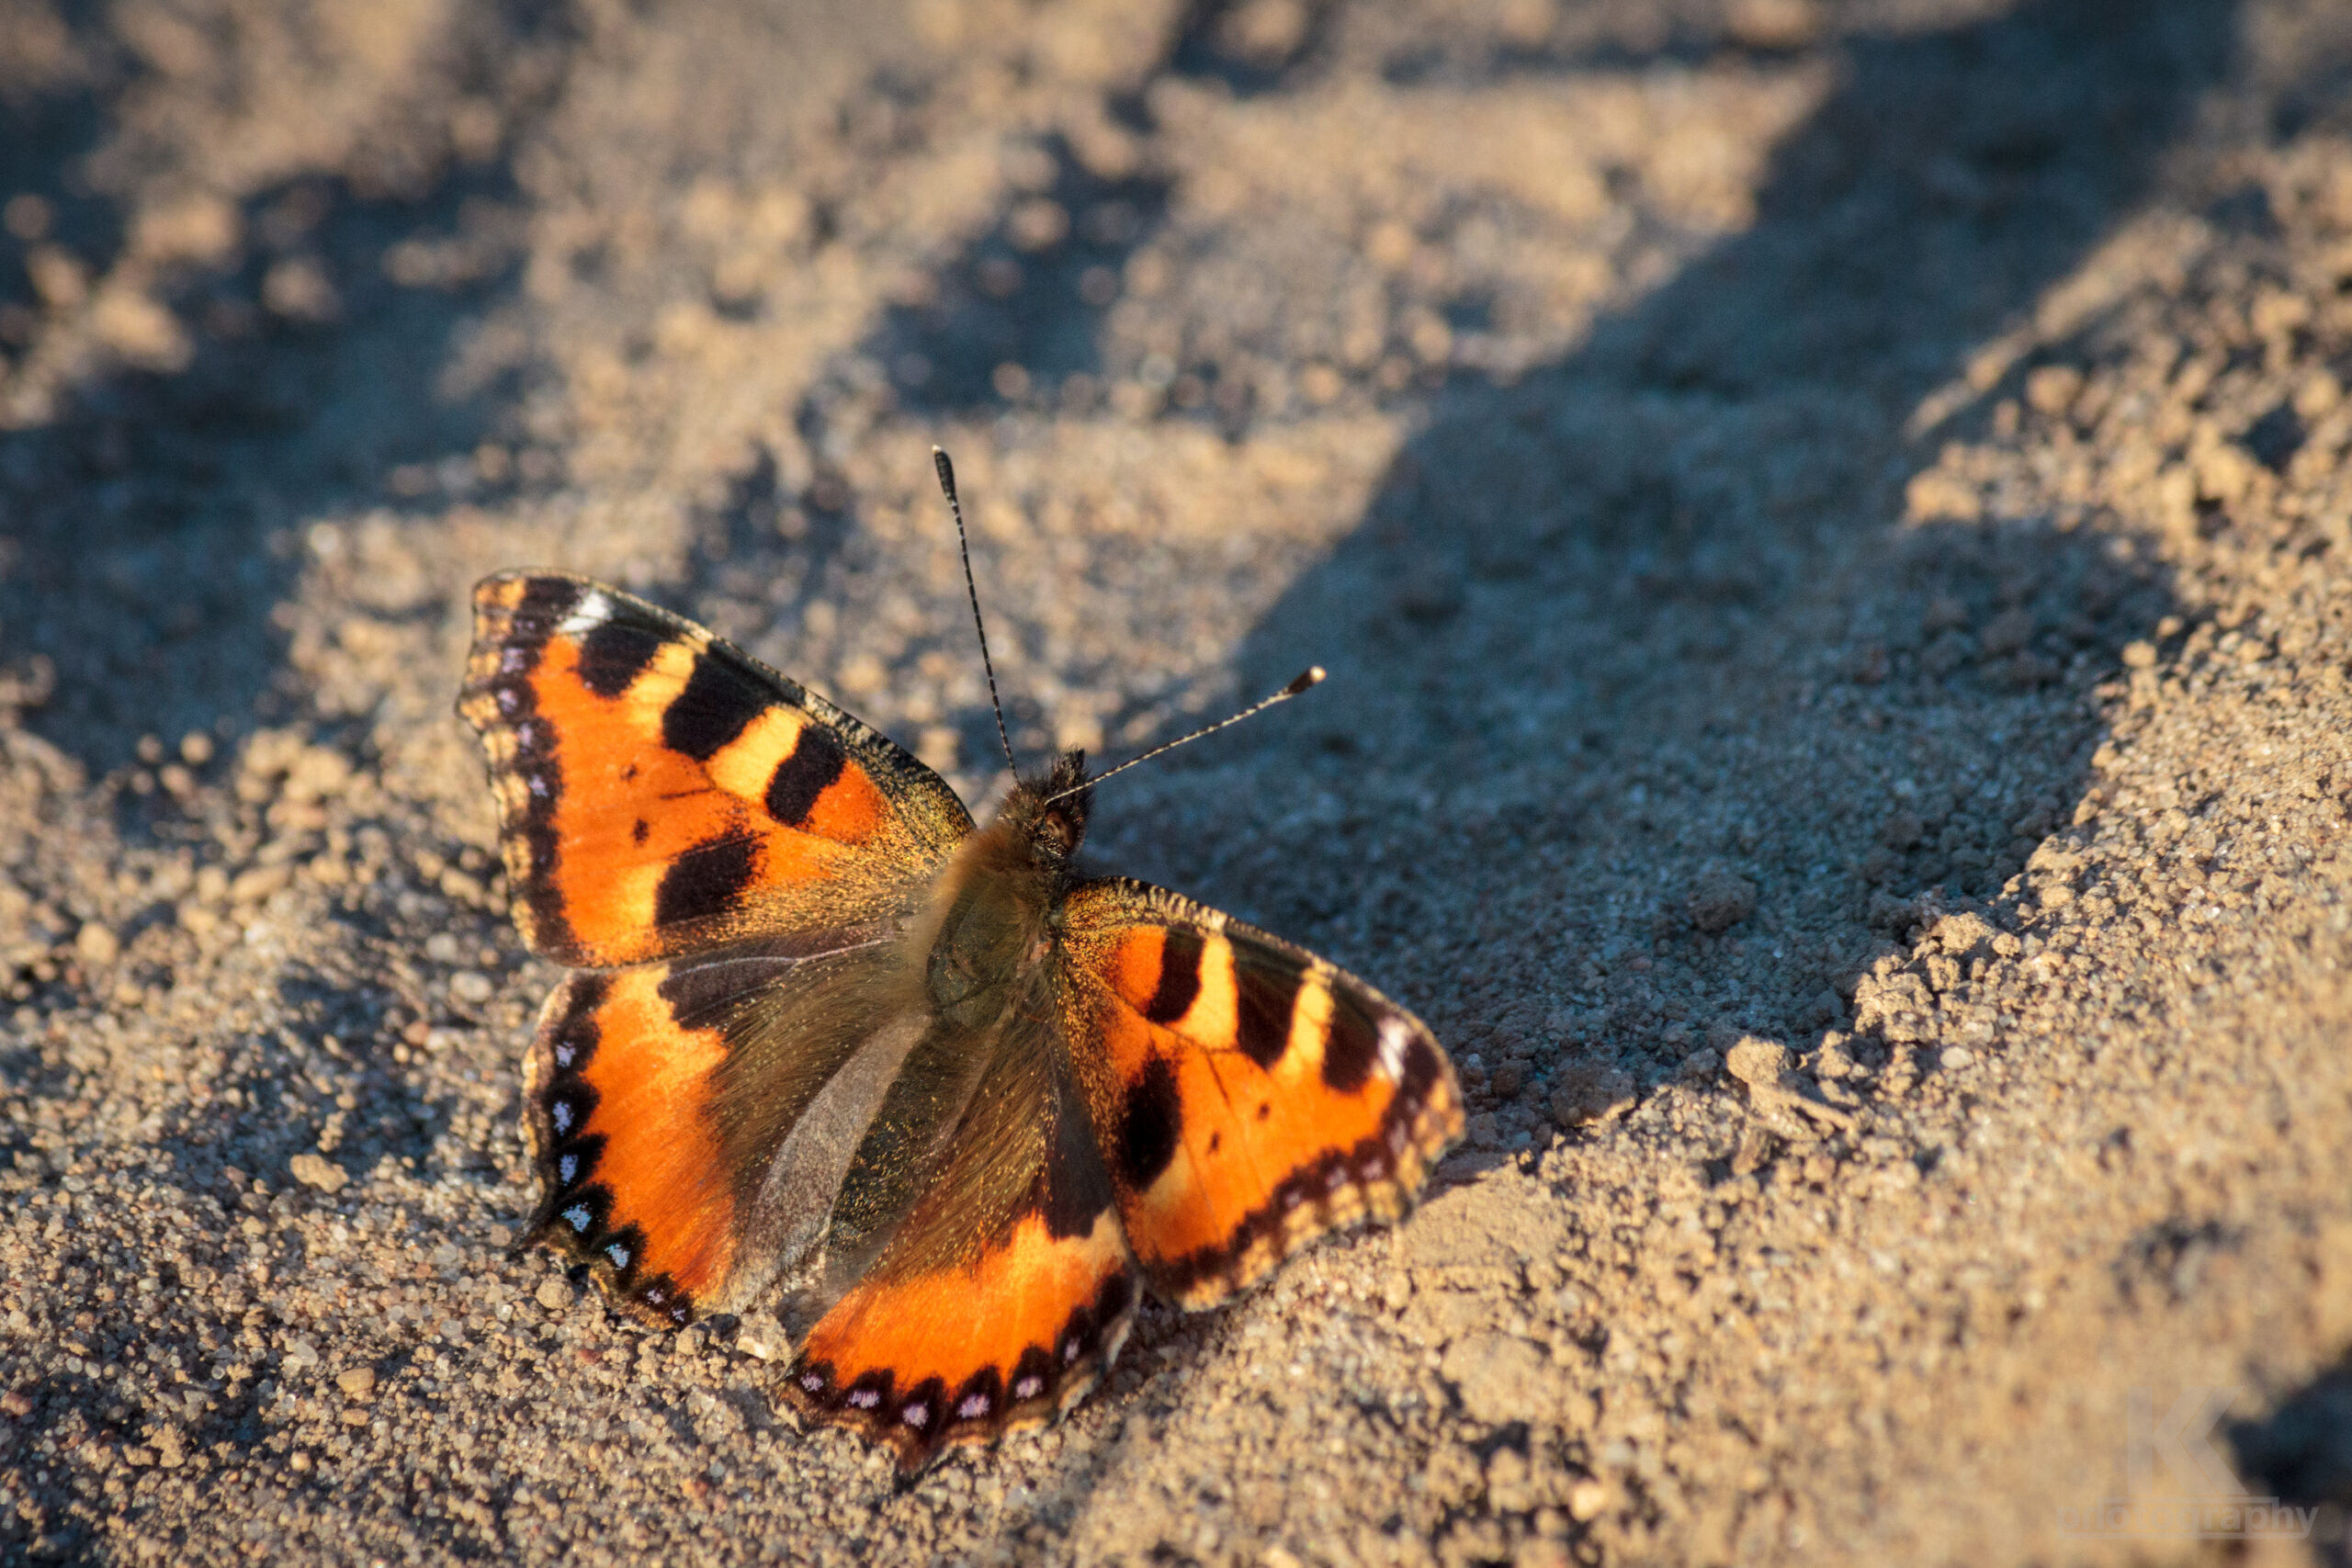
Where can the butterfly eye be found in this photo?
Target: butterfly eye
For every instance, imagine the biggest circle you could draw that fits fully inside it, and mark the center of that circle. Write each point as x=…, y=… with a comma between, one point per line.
x=1059, y=831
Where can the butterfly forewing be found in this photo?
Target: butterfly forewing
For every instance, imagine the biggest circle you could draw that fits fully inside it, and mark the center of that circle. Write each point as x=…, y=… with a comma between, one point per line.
x=659, y=791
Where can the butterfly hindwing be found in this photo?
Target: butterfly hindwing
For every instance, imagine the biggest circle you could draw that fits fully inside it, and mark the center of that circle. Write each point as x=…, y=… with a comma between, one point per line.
x=1248, y=1095
x=681, y=1116
x=1001, y=1286
x=660, y=791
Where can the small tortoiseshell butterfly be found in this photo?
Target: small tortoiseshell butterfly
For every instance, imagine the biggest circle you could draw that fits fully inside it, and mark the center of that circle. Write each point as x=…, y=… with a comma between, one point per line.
x=825, y=1040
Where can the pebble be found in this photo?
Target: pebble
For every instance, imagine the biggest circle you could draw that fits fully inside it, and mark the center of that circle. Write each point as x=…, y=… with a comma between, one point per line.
x=1758, y=1063
x=1720, y=900
x=96, y=945
x=1500, y=1377
x=317, y=1170
x=553, y=1294
x=762, y=1338
x=357, y=1382
x=1955, y=1057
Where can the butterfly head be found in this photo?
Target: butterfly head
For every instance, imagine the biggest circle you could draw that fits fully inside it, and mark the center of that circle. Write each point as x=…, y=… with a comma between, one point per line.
x=1051, y=812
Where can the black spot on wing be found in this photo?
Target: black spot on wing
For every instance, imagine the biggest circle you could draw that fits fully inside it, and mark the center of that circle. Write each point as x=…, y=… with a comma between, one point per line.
x=1420, y=1072
x=571, y=1166
x=1350, y=1048
x=1034, y=1375
x=621, y=1249
x=613, y=654
x=710, y=711
x=1179, y=976
x=573, y=1219
x=1149, y=1122
x=545, y=602
x=572, y=1037
x=1262, y=1003
x=817, y=759
x=707, y=880
x=1074, y=1194
x=1113, y=1297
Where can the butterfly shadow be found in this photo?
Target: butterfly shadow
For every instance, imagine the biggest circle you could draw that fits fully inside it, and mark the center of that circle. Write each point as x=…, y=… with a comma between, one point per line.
x=2300, y=1454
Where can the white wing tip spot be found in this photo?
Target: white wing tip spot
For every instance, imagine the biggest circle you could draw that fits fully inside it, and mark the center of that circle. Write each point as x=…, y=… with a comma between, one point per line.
x=1393, y=1037
x=593, y=610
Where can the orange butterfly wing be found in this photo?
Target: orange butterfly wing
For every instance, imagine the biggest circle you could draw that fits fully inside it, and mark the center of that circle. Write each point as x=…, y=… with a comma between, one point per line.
x=1248, y=1096
x=993, y=1285
x=682, y=1115
x=728, y=849
x=660, y=791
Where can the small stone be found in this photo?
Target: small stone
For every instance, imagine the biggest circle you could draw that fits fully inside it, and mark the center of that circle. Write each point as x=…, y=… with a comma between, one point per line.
x=1758, y=1063
x=762, y=1338
x=2051, y=388
x=96, y=945
x=1701, y=1065
x=553, y=1294
x=317, y=1170
x=169, y=1451
x=357, y=1382
x=1586, y=1092
x=1586, y=1498
x=1540, y=1552
x=472, y=987
x=16, y=1403
x=1719, y=900
x=1500, y=1377
x=257, y=883
x=1955, y=1057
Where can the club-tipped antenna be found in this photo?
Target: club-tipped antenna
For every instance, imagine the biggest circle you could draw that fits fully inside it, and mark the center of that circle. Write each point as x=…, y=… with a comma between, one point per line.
x=1311, y=676
x=963, y=547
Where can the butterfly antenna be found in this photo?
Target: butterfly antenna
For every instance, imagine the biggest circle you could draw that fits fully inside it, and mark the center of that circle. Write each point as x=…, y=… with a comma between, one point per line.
x=1312, y=676
x=963, y=547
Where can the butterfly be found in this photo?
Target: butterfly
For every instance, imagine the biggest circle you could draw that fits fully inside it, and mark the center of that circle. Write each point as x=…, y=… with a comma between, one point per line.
x=949, y=1099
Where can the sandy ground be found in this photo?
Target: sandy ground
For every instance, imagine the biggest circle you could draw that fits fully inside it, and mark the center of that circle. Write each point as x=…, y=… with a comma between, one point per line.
x=1829, y=526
